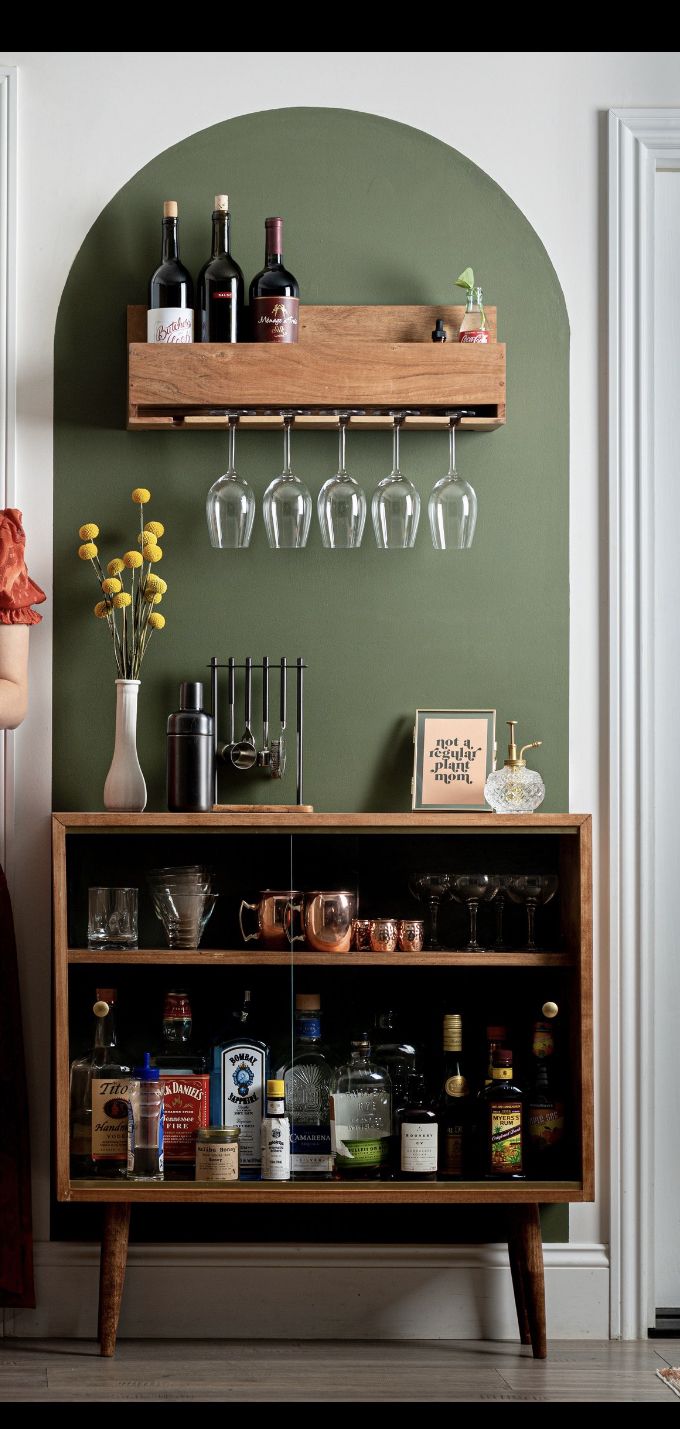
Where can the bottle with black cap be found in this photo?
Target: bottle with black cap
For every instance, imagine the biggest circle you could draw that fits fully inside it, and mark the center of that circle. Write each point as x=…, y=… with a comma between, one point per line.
x=191, y=752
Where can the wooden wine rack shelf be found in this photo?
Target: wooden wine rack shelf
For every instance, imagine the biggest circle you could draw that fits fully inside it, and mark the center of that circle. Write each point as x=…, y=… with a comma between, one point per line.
x=368, y=360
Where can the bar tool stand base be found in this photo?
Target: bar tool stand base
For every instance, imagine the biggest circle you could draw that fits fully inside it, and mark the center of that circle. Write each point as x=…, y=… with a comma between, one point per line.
x=263, y=808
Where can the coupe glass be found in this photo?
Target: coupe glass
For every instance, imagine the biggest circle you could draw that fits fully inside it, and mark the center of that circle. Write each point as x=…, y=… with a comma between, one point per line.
x=395, y=507
x=453, y=505
x=535, y=890
x=473, y=889
x=287, y=504
x=501, y=882
x=341, y=503
x=432, y=889
x=230, y=504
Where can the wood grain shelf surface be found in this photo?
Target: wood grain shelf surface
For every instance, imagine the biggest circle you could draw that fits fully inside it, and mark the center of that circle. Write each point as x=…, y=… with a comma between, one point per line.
x=210, y=957
x=440, y=822
x=388, y=1193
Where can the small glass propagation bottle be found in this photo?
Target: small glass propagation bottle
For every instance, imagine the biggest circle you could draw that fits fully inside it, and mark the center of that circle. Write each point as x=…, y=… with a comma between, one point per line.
x=361, y=1114
x=145, y=1124
x=474, y=327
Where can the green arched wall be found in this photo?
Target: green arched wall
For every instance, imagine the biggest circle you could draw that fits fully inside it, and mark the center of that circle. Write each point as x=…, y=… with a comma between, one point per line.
x=376, y=212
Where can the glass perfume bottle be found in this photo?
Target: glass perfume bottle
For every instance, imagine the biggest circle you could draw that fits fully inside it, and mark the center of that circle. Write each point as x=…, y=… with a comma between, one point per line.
x=514, y=789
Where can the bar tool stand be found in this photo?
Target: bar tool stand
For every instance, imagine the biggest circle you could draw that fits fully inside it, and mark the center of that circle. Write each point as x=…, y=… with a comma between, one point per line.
x=270, y=758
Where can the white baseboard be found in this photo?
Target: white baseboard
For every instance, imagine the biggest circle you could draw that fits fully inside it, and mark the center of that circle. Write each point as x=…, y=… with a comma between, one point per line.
x=315, y=1292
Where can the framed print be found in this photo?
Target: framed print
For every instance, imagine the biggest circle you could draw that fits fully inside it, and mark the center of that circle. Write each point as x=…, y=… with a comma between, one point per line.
x=454, y=755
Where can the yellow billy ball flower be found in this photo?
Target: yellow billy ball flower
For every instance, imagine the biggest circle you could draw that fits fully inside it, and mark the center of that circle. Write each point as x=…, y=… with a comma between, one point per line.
x=146, y=538
x=153, y=584
x=111, y=587
x=88, y=551
x=140, y=495
x=153, y=597
x=89, y=531
x=133, y=560
x=122, y=599
x=115, y=566
x=156, y=620
x=155, y=527
x=153, y=553
x=163, y=585
x=101, y=609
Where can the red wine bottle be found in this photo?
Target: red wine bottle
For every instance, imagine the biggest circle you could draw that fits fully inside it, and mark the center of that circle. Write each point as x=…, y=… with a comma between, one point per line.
x=219, y=316
x=274, y=292
x=171, y=292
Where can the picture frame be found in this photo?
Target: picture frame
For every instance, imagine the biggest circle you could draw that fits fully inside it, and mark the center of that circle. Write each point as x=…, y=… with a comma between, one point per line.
x=442, y=781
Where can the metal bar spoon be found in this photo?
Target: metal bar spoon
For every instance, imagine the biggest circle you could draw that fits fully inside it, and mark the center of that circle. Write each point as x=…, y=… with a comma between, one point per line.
x=244, y=754
x=277, y=767
x=264, y=754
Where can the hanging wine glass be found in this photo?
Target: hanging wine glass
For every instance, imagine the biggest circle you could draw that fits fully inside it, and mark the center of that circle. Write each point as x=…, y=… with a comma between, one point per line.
x=395, y=507
x=453, y=505
x=341, y=503
x=230, y=503
x=287, y=505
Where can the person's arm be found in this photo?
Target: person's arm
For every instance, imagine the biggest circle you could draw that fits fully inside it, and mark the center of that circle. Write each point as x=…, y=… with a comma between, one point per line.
x=13, y=675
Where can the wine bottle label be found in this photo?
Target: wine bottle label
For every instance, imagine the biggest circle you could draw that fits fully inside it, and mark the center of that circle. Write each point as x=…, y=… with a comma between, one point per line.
x=453, y=1151
x=506, y=1138
x=109, y=1118
x=217, y=1161
x=187, y=1107
x=545, y=1125
x=456, y=1087
x=475, y=335
x=170, y=325
x=418, y=1147
x=242, y=1073
x=502, y=1074
x=276, y=1149
x=275, y=319
x=543, y=1044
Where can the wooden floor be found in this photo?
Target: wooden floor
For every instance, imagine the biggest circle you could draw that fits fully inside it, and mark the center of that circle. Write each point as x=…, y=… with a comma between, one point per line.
x=289, y=1370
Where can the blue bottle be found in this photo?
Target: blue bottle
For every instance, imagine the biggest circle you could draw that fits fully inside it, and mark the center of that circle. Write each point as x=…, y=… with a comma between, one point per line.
x=238, y=1079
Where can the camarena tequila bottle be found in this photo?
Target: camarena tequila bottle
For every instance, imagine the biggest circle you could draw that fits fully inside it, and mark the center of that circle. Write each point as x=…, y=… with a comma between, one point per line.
x=237, y=1086
x=99, y=1082
x=361, y=1114
x=308, y=1077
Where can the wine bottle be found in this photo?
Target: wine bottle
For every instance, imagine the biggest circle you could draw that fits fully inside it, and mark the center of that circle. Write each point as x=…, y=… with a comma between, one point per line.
x=171, y=293
x=219, y=298
x=455, y=1118
x=274, y=292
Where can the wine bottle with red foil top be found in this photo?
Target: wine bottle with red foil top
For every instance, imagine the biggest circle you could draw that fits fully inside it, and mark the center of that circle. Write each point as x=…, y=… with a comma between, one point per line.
x=219, y=299
x=274, y=293
x=171, y=292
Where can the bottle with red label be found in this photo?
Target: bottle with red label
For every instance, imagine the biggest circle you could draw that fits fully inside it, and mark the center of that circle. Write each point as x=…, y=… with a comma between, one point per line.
x=545, y=1107
x=474, y=327
x=274, y=292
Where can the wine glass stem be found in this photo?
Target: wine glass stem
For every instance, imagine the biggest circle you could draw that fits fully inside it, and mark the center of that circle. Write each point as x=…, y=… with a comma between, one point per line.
x=531, y=915
x=286, y=446
x=452, y=447
x=342, y=431
x=473, y=905
x=232, y=444
x=434, y=916
x=395, y=443
x=500, y=908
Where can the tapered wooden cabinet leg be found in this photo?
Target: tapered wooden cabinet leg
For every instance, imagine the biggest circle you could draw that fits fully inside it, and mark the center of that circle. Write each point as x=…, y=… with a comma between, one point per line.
x=526, y=1232
x=112, y=1272
x=516, y=1270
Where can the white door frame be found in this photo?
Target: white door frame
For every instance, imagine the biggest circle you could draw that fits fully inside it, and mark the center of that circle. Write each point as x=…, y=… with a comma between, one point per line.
x=641, y=141
x=8, y=376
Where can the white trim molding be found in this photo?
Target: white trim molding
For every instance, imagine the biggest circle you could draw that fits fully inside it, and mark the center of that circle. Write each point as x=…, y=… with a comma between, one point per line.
x=641, y=141
x=8, y=381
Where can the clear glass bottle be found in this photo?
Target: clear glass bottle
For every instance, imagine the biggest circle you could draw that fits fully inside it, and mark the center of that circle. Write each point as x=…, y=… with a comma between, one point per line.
x=399, y=1060
x=308, y=1077
x=361, y=1114
x=145, y=1124
x=237, y=1086
x=474, y=327
x=102, y=1061
x=275, y=1134
x=514, y=789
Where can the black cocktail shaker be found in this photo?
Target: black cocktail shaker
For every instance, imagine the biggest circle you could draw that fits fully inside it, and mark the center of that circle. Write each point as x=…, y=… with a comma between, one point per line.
x=191, y=756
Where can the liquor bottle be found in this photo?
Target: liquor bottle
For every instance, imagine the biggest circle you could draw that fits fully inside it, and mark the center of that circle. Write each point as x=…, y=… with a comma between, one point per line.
x=418, y=1134
x=145, y=1126
x=275, y=1134
x=171, y=292
x=504, y=1102
x=545, y=1107
x=361, y=1114
x=308, y=1076
x=237, y=1085
x=474, y=327
x=80, y=1088
x=274, y=292
x=455, y=1109
x=177, y=1051
x=399, y=1059
x=110, y=1085
x=219, y=296
x=495, y=1037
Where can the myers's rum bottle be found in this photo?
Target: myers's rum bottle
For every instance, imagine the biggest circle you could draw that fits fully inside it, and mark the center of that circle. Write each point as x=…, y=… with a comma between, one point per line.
x=504, y=1103
x=455, y=1122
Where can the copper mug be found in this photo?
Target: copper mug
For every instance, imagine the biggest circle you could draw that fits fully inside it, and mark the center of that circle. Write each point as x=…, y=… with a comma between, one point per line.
x=384, y=935
x=411, y=935
x=328, y=920
x=275, y=928
x=361, y=935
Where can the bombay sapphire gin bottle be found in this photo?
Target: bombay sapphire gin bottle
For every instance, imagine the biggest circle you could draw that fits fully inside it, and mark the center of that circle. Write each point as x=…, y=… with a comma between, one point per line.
x=514, y=789
x=237, y=1086
x=308, y=1076
x=361, y=1114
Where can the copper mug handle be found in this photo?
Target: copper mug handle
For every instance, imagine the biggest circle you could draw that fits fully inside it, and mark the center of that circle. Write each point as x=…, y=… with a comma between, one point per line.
x=254, y=907
x=291, y=908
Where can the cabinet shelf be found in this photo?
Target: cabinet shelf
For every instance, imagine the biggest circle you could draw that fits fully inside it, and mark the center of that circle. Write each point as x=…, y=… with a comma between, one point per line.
x=370, y=360
x=210, y=957
x=391, y=1193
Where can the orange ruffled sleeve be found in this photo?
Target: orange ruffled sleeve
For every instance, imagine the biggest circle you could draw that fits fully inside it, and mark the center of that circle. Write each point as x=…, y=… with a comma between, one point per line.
x=17, y=591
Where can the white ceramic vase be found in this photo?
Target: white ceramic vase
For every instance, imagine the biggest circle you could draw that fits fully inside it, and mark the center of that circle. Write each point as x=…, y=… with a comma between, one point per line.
x=125, y=790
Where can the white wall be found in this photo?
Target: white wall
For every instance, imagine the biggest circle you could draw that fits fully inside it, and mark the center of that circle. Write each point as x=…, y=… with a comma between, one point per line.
x=535, y=123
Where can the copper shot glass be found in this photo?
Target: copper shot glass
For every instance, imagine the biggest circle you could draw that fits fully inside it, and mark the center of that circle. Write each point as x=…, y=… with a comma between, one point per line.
x=411, y=935
x=384, y=935
x=361, y=935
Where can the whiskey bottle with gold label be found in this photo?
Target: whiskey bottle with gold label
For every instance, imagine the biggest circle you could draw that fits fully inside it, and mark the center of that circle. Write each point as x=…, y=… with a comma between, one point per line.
x=504, y=1151
x=455, y=1112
